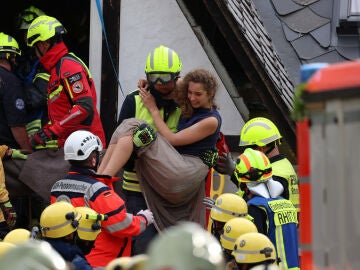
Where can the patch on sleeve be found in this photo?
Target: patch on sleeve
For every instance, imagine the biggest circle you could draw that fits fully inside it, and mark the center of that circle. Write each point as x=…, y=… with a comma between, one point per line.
x=19, y=104
x=74, y=78
x=77, y=87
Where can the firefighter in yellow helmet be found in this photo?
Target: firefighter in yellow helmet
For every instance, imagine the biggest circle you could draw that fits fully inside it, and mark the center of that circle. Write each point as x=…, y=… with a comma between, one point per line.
x=261, y=134
x=273, y=215
x=252, y=249
x=234, y=228
x=17, y=236
x=12, y=97
x=186, y=246
x=58, y=223
x=162, y=70
x=225, y=207
x=33, y=76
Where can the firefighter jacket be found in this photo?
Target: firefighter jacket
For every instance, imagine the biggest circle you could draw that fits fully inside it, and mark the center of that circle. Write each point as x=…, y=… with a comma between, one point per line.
x=282, y=228
x=71, y=95
x=133, y=107
x=82, y=187
x=281, y=167
x=4, y=194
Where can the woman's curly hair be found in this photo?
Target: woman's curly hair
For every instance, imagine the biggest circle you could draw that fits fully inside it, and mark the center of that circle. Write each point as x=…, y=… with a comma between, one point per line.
x=206, y=78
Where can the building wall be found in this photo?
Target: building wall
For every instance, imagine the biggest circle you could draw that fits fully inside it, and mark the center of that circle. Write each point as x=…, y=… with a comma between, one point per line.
x=145, y=25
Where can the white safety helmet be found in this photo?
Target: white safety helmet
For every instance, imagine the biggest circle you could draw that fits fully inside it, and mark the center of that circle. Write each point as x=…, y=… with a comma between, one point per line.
x=80, y=144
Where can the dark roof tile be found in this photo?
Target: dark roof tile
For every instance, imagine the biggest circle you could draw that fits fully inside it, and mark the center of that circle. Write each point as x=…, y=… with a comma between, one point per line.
x=322, y=35
x=330, y=57
x=284, y=7
x=349, y=53
x=323, y=8
x=304, y=20
x=307, y=48
x=290, y=35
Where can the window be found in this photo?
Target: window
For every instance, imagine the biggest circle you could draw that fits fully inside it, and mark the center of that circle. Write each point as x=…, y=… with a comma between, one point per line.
x=349, y=17
x=354, y=8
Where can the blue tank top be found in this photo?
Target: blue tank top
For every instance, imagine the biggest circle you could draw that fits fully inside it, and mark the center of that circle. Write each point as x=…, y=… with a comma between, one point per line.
x=207, y=143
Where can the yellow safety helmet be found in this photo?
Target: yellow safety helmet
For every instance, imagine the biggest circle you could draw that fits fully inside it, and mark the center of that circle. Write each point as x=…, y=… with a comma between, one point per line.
x=43, y=28
x=254, y=248
x=5, y=247
x=89, y=223
x=233, y=229
x=9, y=47
x=17, y=236
x=59, y=219
x=185, y=246
x=27, y=16
x=163, y=60
x=253, y=166
x=259, y=131
x=228, y=206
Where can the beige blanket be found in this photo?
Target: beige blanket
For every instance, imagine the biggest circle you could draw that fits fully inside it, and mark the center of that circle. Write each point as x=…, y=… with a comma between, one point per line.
x=37, y=174
x=173, y=184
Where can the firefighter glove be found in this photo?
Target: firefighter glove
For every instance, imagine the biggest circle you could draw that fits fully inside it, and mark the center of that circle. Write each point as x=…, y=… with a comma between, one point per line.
x=9, y=213
x=209, y=157
x=225, y=164
x=17, y=154
x=41, y=137
x=143, y=135
x=148, y=215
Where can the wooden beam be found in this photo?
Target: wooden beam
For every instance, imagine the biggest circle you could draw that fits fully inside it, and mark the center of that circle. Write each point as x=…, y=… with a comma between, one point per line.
x=109, y=81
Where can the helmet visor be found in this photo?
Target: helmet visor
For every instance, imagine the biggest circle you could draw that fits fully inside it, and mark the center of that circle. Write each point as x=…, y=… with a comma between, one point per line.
x=253, y=174
x=161, y=78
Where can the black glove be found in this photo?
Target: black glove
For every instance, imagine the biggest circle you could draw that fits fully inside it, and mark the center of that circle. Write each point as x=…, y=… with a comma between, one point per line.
x=209, y=157
x=9, y=213
x=41, y=137
x=225, y=164
x=143, y=135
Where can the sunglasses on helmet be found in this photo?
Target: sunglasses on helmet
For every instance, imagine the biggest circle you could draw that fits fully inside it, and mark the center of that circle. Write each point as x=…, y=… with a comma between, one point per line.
x=161, y=78
x=253, y=174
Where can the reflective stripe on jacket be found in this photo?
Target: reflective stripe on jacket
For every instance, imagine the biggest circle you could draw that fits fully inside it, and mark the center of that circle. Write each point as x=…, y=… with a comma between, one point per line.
x=283, y=168
x=282, y=229
x=82, y=187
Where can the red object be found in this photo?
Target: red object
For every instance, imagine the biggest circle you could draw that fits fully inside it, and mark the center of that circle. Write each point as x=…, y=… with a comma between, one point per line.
x=221, y=145
x=208, y=185
x=303, y=157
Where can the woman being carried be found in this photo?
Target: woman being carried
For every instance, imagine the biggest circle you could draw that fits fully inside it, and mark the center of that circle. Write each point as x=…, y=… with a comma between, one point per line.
x=171, y=166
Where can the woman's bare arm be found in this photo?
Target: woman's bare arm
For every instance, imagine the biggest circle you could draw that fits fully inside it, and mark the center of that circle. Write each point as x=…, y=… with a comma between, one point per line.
x=189, y=135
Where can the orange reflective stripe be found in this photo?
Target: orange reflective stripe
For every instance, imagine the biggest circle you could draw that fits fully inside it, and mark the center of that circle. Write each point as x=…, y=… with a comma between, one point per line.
x=246, y=161
x=266, y=160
